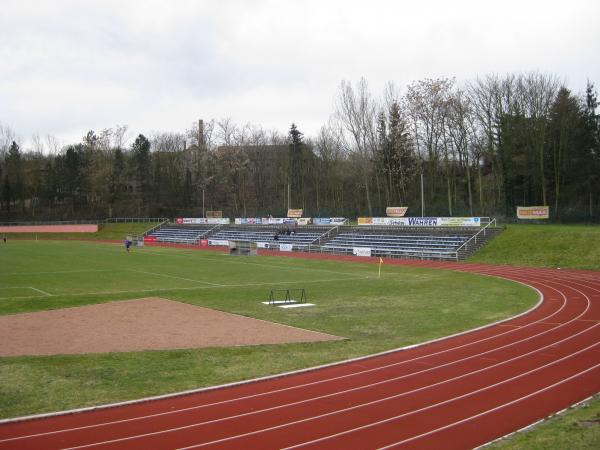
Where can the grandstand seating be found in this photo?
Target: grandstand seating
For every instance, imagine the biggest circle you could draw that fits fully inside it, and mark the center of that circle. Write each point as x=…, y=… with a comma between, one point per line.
x=424, y=244
x=300, y=240
x=181, y=234
x=404, y=242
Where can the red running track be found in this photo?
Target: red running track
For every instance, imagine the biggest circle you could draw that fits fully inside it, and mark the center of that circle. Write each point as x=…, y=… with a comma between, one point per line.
x=459, y=392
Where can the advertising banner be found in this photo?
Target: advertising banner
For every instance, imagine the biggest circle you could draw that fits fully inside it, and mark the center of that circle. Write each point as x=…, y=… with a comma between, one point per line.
x=201, y=221
x=421, y=221
x=214, y=214
x=149, y=238
x=204, y=242
x=219, y=242
x=304, y=221
x=396, y=211
x=329, y=221
x=362, y=251
x=294, y=213
x=533, y=212
x=285, y=247
x=262, y=245
x=250, y=221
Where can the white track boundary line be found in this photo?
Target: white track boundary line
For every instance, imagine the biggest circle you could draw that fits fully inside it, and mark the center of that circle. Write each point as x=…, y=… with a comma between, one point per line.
x=351, y=390
x=316, y=382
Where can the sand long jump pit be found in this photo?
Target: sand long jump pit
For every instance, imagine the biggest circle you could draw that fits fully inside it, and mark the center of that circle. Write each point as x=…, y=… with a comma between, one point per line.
x=137, y=325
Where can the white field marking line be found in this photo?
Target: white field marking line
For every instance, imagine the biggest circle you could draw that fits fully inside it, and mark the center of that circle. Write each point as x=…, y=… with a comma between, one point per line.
x=305, y=384
x=192, y=288
x=40, y=291
x=59, y=272
x=247, y=263
x=194, y=425
x=226, y=260
x=175, y=277
x=389, y=419
x=483, y=413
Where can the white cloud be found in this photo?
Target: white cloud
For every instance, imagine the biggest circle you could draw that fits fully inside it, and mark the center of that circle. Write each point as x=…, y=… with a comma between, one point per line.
x=70, y=66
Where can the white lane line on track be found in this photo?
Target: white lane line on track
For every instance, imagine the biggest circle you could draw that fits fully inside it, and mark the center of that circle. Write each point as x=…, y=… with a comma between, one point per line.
x=389, y=419
x=175, y=277
x=467, y=419
x=307, y=384
x=395, y=396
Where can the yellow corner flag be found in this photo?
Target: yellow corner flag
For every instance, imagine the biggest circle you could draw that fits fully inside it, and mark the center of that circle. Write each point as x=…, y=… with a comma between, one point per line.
x=380, y=263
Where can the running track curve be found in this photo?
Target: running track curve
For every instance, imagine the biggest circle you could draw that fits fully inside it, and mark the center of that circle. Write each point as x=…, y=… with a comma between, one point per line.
x=456, y=393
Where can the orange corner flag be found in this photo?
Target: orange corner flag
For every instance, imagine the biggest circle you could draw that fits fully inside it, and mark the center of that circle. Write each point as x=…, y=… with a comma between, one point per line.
x=380, y=260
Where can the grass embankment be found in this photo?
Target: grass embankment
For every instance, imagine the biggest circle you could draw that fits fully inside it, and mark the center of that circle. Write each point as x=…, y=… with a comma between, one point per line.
x=405, y=306
x=109, y=231
x=565, y=246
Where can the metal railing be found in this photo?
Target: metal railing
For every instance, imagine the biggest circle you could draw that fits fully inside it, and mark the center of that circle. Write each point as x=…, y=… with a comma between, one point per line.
x=327, y=234
x=474, y=237
x=153, y=229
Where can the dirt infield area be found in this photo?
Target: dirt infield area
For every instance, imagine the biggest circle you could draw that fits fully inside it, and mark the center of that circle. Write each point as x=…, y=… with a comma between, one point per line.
x=140, y=324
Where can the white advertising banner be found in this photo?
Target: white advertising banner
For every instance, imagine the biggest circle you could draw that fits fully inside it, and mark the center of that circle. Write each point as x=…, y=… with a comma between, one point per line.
x=220, y=242
x=202, y=221
x=329, y=221
x=286, y=247
x=420, y=221
x=249, y=221
x=304, y=221
x=262, y=244
x=362, y=251
x=278, y=221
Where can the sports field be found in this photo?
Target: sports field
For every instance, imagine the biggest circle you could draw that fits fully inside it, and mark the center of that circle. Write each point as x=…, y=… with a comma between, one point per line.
x=404, y=306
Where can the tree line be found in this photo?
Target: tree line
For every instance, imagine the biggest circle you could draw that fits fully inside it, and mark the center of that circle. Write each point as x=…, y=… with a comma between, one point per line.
x=478, y=148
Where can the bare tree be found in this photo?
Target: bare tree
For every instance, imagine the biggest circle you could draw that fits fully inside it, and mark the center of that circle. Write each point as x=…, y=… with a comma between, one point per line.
x=539, y=92
x=356, y=112
x=426, y=102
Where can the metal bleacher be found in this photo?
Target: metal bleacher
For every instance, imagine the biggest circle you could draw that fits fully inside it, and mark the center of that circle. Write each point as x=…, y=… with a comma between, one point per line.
x=299, y=239
x=456, y=243
x=181, y=234
x=422, y=244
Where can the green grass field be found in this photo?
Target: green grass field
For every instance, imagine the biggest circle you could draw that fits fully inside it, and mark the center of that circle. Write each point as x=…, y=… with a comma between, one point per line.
x=404, y=307
x=566, y=246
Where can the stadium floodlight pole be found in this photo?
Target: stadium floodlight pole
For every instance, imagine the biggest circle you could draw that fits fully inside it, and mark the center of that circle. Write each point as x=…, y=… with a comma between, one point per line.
x=422, y=197
x=203, y=215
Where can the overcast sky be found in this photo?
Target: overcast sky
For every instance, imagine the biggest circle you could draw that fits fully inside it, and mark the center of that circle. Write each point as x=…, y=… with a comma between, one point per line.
x=70, y=66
